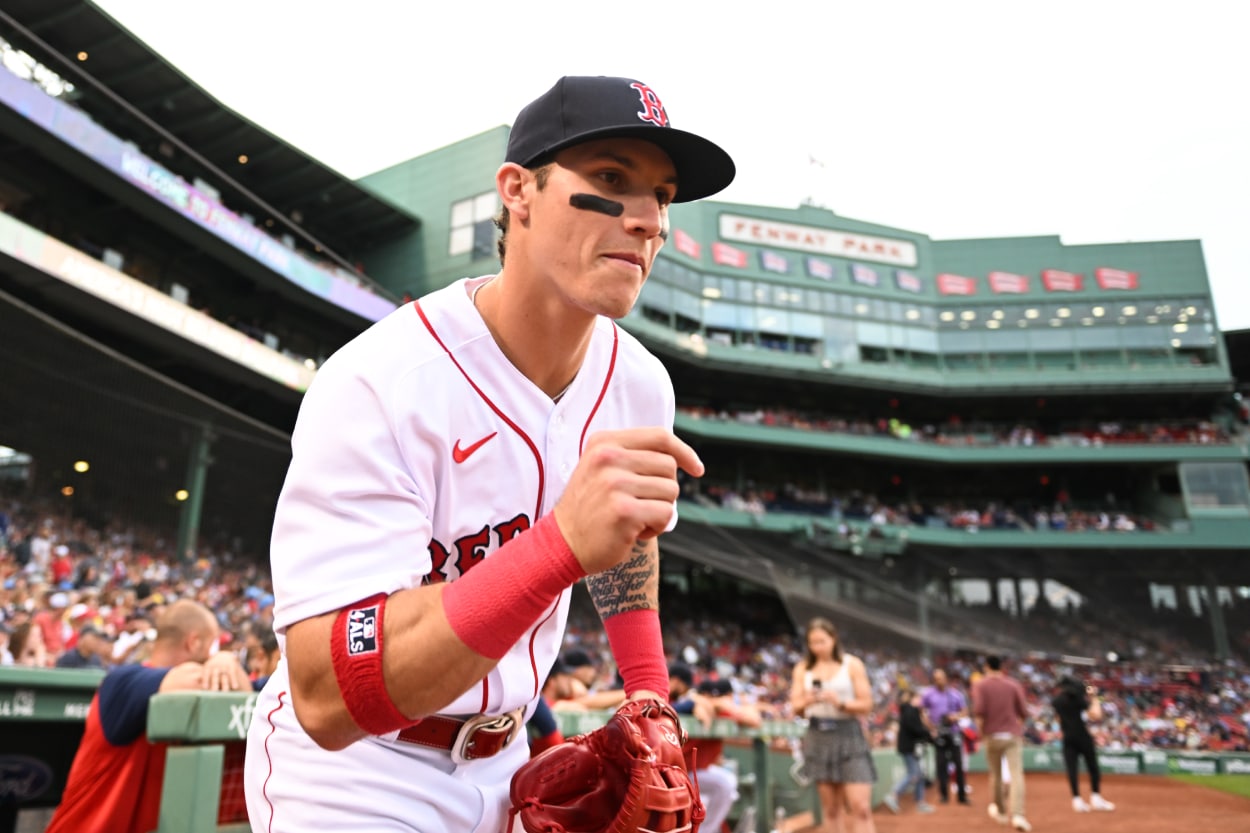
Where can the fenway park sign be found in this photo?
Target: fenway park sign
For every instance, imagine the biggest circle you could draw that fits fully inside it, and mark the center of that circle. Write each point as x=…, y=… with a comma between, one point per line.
x=817, y=240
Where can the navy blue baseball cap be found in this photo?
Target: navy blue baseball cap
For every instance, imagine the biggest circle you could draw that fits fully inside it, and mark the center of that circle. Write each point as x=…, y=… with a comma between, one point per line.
x=582, y=108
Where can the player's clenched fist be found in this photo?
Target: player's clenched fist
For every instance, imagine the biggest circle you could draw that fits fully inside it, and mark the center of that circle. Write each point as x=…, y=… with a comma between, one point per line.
x=622, y=490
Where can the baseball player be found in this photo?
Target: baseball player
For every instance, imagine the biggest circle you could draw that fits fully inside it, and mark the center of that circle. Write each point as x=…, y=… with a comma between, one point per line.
x=458, y=467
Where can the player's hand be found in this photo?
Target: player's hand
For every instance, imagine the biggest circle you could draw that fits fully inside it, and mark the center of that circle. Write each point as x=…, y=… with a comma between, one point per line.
x=223, y=672
x=621, y=492
x=186, y=676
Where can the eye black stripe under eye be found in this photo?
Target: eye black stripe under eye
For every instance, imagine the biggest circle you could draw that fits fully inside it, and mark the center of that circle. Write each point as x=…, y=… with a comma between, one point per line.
x=591, y=202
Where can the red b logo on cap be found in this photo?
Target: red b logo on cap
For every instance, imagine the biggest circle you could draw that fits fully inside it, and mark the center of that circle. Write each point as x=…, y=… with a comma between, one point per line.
x=652, y=109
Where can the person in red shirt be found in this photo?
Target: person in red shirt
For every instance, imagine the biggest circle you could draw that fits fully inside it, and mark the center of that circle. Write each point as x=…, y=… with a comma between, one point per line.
x=999, y=708
x=114, y=783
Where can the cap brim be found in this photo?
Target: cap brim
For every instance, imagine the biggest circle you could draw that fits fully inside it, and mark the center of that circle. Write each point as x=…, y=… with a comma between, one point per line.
x=703, y=167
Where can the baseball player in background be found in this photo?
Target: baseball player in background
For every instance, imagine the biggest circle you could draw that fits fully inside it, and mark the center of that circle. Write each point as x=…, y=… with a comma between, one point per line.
x=458, y=467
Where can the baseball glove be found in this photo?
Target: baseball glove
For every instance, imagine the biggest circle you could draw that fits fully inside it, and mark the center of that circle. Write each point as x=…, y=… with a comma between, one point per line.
x=628, y=776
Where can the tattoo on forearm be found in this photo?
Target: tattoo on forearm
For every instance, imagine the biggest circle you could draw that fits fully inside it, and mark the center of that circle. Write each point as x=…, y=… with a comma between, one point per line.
x=631, y=585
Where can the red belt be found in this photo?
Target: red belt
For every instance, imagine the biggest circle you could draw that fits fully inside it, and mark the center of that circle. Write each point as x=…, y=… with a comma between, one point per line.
x=480, y=736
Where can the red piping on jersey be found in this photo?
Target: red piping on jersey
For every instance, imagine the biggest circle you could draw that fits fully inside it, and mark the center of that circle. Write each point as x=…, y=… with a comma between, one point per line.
x=534, y=635
x=538, y=458
x=264, y=790
x=581, y=443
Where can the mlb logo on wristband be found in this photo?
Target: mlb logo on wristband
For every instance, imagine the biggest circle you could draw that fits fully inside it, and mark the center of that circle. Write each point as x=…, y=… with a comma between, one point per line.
x=362, y=632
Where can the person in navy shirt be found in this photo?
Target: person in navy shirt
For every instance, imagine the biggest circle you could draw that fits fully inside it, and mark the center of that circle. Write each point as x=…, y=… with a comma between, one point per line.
x=114, y=783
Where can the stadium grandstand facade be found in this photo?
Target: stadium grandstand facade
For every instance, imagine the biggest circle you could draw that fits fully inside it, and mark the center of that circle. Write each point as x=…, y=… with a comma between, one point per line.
x=910, y=434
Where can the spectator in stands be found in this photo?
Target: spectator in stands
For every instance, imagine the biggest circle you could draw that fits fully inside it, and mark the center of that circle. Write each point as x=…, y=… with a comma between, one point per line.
x=945, y=706
x=262, y=660
x=135, y=638
x=27, y=646
x=50, y=620
x=831, y=689
x=999, y=707
x=6, y=656
x=89, y=646
x=912, y=734
x=1074, y=704
x=718, y=786
x=584, y=670
x=114, y=783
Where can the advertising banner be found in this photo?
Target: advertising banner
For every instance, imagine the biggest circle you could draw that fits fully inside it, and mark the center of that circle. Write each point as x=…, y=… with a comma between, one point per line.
x=956, y=285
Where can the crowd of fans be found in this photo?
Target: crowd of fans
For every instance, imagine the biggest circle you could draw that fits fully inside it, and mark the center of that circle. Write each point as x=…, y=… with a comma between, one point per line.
x=857, y=511
x=74, y=595
x=956, y=431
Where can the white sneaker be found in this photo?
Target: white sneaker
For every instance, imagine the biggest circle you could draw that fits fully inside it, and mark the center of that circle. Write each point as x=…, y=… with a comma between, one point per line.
x=1021, y=823
x=1079, y=805
x=891, y=803
x=1099, y=803
x=1001, y=818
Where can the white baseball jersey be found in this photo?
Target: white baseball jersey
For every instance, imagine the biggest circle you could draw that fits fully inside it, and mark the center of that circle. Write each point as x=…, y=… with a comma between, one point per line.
x=419, y=450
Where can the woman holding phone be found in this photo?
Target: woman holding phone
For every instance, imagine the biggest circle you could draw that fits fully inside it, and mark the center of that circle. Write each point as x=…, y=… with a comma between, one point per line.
x=830, y=688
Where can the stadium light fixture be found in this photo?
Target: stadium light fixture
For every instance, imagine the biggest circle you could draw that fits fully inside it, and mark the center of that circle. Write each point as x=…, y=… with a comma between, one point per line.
x=181, y=495
x=1129, y=310
x=82, y=466
x=912, y=314
x=1031, y=313
x=1099, y=312
x=242, y=158
x=1180, y=328
x=968, y=315
x=82, y=56
x=1063, y=312
x=68, y=491
x=1152, y=319
x=947, y=315
x=993, y=324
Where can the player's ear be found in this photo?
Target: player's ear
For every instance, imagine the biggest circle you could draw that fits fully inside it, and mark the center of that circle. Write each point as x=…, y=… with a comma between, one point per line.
x=510, y=181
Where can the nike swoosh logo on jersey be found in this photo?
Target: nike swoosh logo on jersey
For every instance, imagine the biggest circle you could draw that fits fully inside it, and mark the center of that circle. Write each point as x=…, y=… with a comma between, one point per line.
x=461, y=454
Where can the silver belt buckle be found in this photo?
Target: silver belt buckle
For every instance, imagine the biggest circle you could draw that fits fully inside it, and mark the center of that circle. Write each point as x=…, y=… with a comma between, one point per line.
x=496, y=724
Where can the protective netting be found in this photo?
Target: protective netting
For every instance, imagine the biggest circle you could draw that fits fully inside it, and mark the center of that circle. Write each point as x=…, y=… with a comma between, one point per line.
x=814, y=583
x=65, y=398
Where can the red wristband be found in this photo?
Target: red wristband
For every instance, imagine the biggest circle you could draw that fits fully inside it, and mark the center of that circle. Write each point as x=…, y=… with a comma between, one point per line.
x=492, y=605
x=356, y=651
x=639, y=650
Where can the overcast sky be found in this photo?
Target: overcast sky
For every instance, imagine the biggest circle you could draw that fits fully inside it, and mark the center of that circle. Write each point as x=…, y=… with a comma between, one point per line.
x=1099, y=121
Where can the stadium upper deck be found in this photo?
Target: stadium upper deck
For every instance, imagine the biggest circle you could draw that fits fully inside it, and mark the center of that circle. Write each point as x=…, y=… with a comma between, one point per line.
x=752, y=307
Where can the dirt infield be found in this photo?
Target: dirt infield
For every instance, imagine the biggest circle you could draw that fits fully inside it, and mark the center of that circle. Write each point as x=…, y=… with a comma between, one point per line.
x=1144, y=804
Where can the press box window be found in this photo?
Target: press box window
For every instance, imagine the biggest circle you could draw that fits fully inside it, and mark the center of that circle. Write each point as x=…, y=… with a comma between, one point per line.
x=473, y=226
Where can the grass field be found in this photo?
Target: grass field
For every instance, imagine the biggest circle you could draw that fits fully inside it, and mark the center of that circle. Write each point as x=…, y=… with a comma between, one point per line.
x=1235, y=784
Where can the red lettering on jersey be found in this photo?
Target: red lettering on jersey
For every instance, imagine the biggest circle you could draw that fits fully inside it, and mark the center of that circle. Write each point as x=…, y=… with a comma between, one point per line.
x=471, y=549
x=438, y=560
x=652, y=109
x=511, y=529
